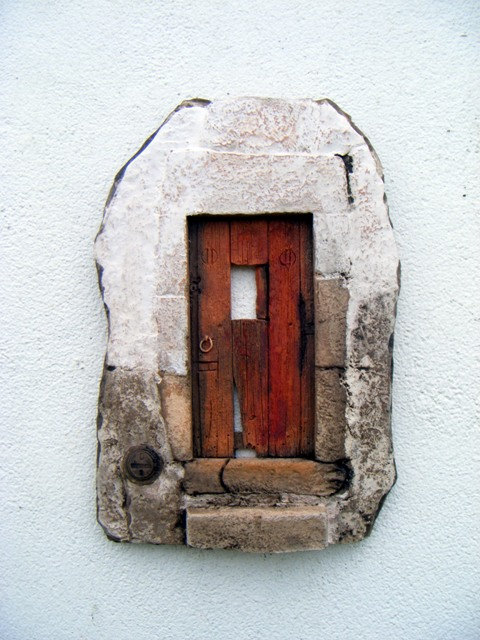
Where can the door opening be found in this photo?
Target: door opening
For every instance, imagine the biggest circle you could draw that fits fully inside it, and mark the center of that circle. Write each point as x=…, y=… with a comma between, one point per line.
x=262, y=347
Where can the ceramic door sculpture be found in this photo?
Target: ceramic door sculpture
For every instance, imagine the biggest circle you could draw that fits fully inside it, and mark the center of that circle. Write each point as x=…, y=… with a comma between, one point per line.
x=250, y=276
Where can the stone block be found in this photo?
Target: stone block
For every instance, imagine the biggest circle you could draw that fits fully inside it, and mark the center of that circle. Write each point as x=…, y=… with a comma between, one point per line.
x=331, y=305
x=282, y=475
x=172, y=323
x=203, y=475
x=177, y=413
x=153, y=510
x=372, y=331
x=330, y=406
x=258, y=529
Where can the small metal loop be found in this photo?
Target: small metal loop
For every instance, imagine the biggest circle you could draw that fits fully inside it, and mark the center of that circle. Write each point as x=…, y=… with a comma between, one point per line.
x=203, y=344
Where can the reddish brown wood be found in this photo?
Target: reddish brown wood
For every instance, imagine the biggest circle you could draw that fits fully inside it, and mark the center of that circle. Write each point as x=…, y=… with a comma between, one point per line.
x=271, y=358
x=249, y=245
x=194, y=284
x=307, y=344
x=212, y=340
x=284, y=339
x=250, y=370
x=261, y=279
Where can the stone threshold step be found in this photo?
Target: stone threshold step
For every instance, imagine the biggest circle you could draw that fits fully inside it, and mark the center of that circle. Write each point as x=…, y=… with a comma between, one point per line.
x=258, y=529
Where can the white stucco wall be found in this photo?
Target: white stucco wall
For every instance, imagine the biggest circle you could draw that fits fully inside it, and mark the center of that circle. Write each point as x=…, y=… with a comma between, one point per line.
x=84, y=82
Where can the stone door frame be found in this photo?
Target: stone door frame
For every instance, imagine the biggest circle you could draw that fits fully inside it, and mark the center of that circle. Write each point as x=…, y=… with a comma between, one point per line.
x=246, y=156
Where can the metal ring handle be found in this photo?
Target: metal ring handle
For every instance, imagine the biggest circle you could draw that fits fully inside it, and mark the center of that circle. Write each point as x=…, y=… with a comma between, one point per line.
x=203, y=344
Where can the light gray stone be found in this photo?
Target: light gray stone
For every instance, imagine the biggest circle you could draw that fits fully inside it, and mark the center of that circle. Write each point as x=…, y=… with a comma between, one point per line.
x=130, y=415
x=257, y=529
x=330, y=413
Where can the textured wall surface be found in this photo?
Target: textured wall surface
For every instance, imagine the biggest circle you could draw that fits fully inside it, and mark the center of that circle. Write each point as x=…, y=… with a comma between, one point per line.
x=83, y=84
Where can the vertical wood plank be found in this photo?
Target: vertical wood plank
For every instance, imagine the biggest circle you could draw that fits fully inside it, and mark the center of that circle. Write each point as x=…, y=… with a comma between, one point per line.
x=215, y=385
x=261, y=280
x=307, y=346
x=249, y=244
x=250, y=370
x=194, y=285
x=284, y=338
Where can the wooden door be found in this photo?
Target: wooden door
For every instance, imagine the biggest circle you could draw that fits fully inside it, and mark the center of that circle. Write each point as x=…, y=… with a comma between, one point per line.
x=269, y=359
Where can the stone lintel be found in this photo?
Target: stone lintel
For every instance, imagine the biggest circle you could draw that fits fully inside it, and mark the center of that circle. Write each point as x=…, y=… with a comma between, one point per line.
x=254, y=529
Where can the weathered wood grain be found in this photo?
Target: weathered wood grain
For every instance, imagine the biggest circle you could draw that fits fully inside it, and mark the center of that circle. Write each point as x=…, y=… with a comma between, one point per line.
x=307, y=342
x=284, y=339
x=212, y=340
x=250, y=371
x=271, y=358
x=249, y=244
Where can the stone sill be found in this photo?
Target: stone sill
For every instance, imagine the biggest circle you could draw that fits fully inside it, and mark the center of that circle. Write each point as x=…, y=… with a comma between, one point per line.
x=263, y=475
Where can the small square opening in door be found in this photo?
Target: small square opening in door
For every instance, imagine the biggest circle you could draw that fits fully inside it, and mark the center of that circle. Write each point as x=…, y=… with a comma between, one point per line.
x=257, y=351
